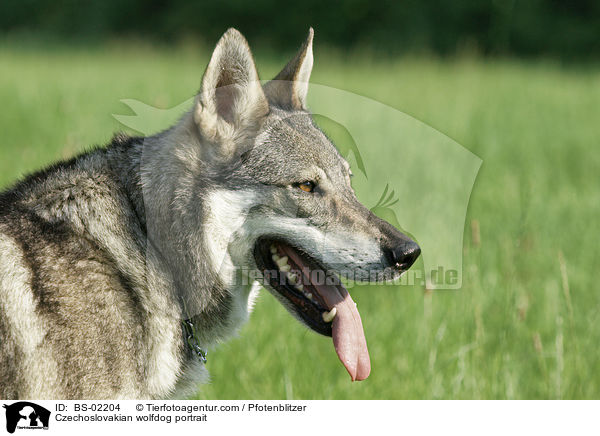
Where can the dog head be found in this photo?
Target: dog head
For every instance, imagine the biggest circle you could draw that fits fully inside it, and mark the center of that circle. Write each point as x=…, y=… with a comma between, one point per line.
x=279, y=196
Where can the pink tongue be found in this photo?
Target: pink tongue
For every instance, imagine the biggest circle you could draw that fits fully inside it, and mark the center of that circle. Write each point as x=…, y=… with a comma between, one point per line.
x=348, y=334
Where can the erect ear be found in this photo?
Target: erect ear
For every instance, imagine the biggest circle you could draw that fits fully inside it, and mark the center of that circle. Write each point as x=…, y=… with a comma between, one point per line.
x=231, y=97
x=289, y=88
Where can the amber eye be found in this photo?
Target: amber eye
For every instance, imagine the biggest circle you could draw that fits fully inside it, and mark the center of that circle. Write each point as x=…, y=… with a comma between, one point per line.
x=307, y=186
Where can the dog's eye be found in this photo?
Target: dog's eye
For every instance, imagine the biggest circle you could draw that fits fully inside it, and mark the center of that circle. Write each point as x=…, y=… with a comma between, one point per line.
x=307, y=186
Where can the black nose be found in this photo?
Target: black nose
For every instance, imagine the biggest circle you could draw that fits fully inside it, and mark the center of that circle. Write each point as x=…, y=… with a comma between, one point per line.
x=405, y=254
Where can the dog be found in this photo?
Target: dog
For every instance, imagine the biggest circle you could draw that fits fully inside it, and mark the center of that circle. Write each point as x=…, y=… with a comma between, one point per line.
x=121, y=266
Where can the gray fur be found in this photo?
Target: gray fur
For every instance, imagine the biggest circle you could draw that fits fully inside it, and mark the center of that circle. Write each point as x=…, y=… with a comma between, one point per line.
x=103, y=256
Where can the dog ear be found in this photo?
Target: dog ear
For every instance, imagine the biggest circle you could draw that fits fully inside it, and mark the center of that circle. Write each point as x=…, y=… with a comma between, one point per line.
x=290, y=87
x=231, y=97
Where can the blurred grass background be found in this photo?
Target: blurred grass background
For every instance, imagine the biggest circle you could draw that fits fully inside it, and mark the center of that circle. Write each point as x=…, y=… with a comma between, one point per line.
x=568, y=30
x=516, y=82
x=525, y=323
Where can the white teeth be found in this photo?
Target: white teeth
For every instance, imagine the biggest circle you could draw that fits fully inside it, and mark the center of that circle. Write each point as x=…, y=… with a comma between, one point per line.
x=293, y=278
x=328, y=316
x=285, y=268
x=273, y=249
x=281, y=261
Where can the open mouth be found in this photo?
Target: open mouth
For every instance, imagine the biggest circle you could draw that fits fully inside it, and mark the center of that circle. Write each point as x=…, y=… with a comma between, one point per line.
x=318, y=298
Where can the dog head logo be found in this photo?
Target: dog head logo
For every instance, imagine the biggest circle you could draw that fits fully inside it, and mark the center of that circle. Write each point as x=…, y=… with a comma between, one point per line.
x=25, y=415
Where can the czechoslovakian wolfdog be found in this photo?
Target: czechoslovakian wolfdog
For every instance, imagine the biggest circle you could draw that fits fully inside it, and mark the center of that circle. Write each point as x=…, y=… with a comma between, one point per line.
x=118, y=268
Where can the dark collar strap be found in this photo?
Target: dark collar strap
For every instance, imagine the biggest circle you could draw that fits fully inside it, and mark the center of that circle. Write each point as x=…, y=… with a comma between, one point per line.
x=191, y=338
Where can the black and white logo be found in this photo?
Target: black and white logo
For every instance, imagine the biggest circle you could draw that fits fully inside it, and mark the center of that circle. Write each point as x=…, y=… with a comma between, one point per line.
x=26, y=415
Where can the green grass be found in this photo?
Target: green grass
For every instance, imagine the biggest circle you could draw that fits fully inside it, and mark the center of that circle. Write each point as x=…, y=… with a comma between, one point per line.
x=524, y=324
